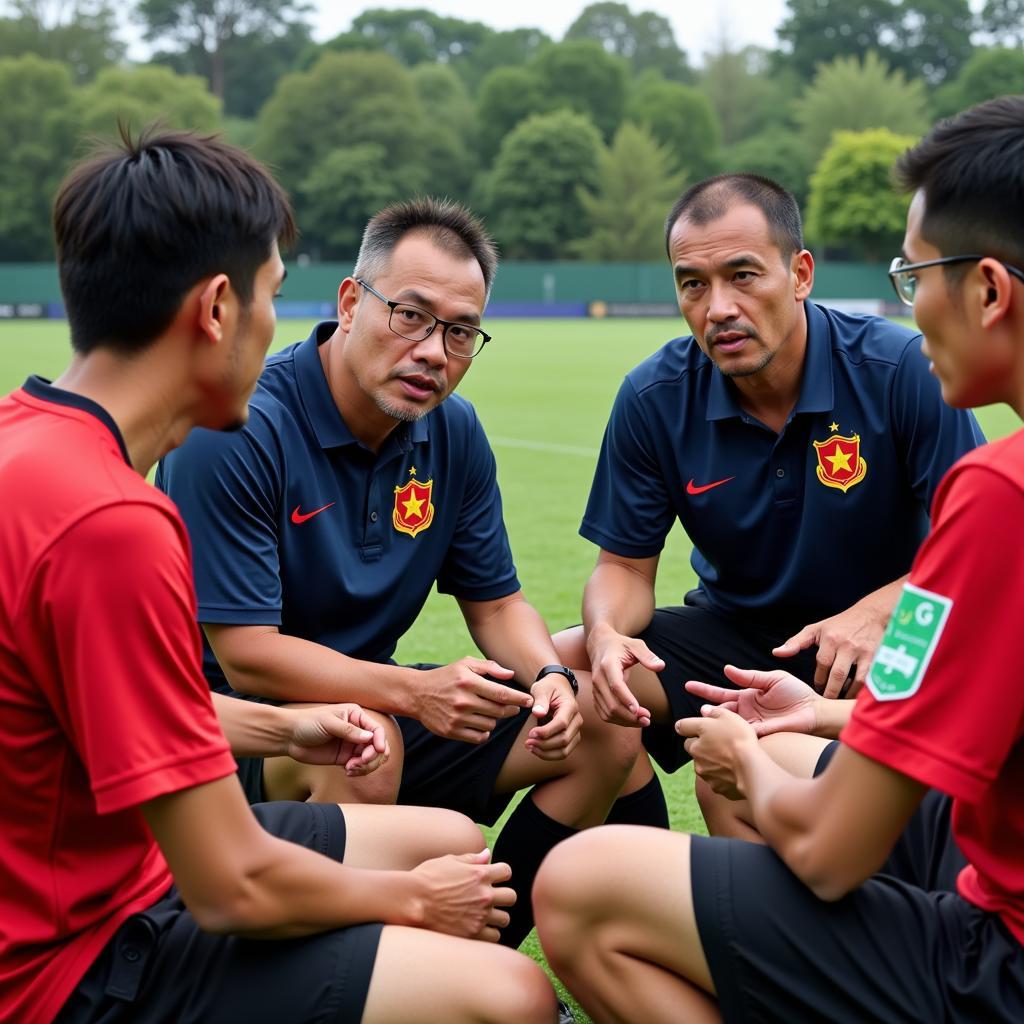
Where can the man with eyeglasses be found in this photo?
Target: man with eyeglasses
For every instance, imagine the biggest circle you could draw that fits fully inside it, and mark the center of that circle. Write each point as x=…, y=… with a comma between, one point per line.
x=319, y=530
x=889, y=887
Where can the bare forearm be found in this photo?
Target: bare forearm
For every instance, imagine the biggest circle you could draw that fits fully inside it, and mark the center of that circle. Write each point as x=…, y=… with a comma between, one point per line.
x=290, y=669
x=618, y=598
x=831, y=716
x=253, y=730
x=514, y=635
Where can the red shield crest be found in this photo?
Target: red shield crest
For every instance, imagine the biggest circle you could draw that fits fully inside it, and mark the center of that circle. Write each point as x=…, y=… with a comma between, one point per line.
x=413, y=511
x=839, y=462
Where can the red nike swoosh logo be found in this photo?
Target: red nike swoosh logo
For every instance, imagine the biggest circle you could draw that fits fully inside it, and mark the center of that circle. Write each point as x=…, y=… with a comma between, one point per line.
x=692, y=488
x=300, y=517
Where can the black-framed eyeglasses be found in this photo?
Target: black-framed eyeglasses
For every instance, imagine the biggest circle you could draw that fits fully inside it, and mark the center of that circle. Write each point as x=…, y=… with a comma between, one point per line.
x=904, y=282
x=463, y=341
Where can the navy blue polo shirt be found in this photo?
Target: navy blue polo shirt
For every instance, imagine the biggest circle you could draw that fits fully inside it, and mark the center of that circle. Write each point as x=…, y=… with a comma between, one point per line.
x=295, y=523
x=792, y=527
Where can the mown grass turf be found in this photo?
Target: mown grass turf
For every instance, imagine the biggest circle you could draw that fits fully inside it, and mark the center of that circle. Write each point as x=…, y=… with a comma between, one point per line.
x=543, y=389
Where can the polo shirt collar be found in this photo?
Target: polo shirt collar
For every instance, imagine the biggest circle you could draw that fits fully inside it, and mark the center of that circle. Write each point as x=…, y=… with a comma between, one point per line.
x=328, y=424
x=817, y=393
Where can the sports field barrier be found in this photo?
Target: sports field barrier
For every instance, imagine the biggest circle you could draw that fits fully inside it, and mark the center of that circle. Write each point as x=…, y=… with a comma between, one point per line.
x=564, y=289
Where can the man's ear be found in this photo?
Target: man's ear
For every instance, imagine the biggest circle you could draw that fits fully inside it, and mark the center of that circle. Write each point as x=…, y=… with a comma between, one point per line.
x=348, y=298
x=214, y=298
x=994, y=291
x=803, y=274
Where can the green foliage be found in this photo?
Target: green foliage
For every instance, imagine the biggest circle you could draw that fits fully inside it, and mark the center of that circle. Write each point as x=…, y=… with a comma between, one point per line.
x=514, y=48
x=853, y=205
x=581, y=76
x=204, y=29
x=38, y=133
x=646, y=39
x=508, y=95
x=1003, y=20
x=777, y=153
x=747, y=96
x=989, y=73
x=533, y=200
x=850, y=95
x=681, y=118
x=637, y=184
x=345, y=188
x=82, y=35
x=414, y=36
x=142, y=95
x=934, y=39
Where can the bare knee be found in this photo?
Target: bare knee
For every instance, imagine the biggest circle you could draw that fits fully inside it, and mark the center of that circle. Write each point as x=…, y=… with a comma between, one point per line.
x=521, y=991
x=452, y=832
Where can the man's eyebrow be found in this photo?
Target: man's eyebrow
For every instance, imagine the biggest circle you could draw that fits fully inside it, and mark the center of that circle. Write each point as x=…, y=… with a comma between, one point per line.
x=735, y=263
x=416, y=298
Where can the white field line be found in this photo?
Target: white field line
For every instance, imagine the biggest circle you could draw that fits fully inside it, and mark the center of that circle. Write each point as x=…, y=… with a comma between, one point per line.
x=544, y=446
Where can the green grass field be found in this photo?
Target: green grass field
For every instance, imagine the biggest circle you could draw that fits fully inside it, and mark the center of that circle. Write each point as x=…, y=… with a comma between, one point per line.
x=543, y=390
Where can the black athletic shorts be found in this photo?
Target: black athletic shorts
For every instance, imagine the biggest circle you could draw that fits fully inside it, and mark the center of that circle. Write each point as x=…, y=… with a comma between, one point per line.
x=903, y=947
x=161, y=967
x=449, y=773
x=696, y=642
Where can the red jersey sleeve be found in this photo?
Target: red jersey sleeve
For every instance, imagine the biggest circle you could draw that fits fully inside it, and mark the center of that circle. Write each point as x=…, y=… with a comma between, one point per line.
x=955, y=730
x=116, y=613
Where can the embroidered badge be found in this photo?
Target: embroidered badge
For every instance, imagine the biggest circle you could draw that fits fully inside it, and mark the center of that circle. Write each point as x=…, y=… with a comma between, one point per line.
x=908, y=644
x=839, y=461
x=413, y=511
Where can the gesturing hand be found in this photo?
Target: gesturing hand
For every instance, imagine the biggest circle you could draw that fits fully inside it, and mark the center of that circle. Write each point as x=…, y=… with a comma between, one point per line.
x=556, y=738
x=457, y=701
x=612, y=655
x=341, y=734
x=715, y=741
x=462, y=895
x=770, y=701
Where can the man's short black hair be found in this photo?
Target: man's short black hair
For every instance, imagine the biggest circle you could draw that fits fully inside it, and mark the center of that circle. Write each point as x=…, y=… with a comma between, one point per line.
x=449, y=225
x=970, y=168
x=714, y=197
x=139, y=223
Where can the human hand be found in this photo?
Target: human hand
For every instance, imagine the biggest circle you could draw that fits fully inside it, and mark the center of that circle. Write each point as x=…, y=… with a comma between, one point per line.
x=769, y=701
x=846, y=643
x=715, y=742
x=462, y=895
x=342, y=734
x=457, y=701
x=612, y=655
x=556, y=738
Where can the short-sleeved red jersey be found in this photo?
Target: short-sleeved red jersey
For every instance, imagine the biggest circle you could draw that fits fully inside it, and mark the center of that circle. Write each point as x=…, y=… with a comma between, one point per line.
x=103, y=704
x=962, y=730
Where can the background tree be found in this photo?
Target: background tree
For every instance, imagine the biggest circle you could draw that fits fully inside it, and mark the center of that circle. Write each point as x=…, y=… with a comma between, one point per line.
x=414, y=36
x=533, y=202
x=777, y=153
x=989, y=73
x=747, y=95
x=206, y=28
x=1003, y=21
x=142, y=95
x=578, y=74
x=638, y=181
x=344, y=189
x=933, y=39
x=82, y=34
x=645, y=40
x=507, y=96
x=852, y=95
x=514, y=48
x=853, y=205
x=818, y=31
x=38, y=129
x=679, y=117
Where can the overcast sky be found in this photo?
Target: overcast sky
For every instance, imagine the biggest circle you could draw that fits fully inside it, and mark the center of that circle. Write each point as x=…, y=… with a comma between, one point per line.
x=697, y=23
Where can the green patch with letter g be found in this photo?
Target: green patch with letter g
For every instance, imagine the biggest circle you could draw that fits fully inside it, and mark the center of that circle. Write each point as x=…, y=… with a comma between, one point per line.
x=909, y=642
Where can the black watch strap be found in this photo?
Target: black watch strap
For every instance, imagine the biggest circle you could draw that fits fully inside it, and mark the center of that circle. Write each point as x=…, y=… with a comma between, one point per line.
x=548, y=670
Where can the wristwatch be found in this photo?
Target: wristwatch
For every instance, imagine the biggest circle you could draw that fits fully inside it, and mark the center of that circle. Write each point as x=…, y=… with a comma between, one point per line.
x=548, y=670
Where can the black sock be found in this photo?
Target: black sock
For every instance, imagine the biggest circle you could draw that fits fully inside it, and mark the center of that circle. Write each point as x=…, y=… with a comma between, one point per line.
x=524, y=841
x=646, y=806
